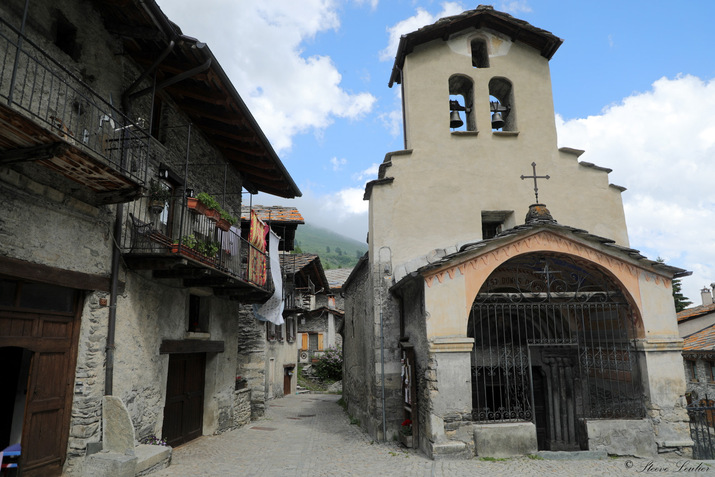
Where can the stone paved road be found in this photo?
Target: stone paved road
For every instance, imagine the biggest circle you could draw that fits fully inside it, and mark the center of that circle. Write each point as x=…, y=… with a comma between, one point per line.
x=309, y=435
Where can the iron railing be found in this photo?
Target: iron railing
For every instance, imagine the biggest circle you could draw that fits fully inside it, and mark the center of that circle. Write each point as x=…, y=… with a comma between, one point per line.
x=171, y=229
x=43, y=89
x=702, y=429
x=567, y=323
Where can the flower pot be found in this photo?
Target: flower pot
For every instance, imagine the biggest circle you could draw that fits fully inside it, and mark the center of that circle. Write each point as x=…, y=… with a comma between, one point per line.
x=406, y=440
x=213, y=215
x=223, y=224
x=195, y=206
x=156, y=206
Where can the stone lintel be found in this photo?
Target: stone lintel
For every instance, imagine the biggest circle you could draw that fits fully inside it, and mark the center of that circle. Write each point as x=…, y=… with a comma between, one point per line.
x=660, y=344
x=451, y=345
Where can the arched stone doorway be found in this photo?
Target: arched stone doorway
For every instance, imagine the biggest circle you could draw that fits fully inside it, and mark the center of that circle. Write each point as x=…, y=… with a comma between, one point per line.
x=554, y=344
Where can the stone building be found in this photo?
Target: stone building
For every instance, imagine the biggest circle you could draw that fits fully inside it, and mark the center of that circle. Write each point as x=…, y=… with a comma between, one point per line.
x=697, y=328
x=112, y=281
x=310, y=305
x=496, y=336
x=268, y=349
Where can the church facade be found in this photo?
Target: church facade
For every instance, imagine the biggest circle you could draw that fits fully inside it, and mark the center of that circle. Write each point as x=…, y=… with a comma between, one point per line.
x=477, y=332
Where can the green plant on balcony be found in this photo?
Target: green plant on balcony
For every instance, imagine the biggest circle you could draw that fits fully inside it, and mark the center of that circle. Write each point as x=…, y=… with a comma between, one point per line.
x=208, y=200
x=158, y=196
x=188, y=241
x=207, y=247
x=228, y=217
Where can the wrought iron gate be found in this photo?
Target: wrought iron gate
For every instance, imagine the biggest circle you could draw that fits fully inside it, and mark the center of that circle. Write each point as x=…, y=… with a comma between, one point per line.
x=702, y=429
x=566, y=321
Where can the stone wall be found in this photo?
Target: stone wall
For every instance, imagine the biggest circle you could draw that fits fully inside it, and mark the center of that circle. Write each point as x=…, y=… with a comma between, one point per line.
x=251, y=359
x=241, y=407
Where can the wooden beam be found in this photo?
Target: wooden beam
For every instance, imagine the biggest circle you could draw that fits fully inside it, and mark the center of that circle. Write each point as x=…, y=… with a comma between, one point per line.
x=190, y=346
x=33, y=153
x=42, y=273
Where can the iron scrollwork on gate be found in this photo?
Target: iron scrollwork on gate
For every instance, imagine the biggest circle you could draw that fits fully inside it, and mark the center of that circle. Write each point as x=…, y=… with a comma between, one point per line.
x=535, y=303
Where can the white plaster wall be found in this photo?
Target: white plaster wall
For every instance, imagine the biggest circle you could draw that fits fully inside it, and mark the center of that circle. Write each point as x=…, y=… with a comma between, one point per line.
x=443, y=185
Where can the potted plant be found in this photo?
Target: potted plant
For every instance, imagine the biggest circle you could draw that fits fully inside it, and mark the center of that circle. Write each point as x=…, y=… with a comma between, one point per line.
x=158, y=196
x=241, y=383
x=211, y=204
x=406, y=433
x=207, y=247
x=188, y=245
x=226, y=221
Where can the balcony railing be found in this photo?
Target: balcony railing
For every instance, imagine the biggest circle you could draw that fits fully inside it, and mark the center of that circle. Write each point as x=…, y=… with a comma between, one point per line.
x=42, y=89
x=178, y=242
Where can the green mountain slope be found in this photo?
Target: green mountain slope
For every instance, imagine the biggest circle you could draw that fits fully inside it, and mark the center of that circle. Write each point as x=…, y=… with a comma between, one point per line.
x=335, y=250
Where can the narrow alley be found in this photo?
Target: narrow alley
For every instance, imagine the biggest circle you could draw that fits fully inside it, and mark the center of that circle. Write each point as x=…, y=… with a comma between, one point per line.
x=309, y=435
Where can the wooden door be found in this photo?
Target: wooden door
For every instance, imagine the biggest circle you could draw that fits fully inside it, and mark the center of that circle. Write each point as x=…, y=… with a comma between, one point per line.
x=287, y=377
x=541, y=409
x=45, y=320
x=184, y=409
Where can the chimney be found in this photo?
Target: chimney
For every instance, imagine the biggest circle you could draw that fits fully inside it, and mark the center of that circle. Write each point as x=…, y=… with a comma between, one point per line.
x=706, y=296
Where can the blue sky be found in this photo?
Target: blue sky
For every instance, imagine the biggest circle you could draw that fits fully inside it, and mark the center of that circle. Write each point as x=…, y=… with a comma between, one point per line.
x=633, y=85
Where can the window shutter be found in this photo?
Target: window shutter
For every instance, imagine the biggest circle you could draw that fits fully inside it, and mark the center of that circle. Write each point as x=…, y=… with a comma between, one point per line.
x=304, y=341
x=320, y=341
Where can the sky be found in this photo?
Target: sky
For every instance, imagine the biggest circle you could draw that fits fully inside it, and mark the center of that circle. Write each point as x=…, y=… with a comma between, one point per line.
x=633, y=86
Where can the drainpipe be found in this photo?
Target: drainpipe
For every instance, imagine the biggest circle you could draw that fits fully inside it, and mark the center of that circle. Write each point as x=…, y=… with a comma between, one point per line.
x=114, y=286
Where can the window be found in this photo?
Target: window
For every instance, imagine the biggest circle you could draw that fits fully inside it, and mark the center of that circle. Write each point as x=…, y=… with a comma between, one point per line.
x=711, y=371
x=270, y=331
x=501, y=102
x=315, y=341
x=692, y=370
x=157, y=127
x=290, y=330
x=461, y=102
x=493, y=222
x=66, y=36
x=279, y=332
x=198, y=314
x=480, y=53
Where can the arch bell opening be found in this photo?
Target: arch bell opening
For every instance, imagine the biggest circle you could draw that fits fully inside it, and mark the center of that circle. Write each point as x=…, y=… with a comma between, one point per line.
x=554, y=345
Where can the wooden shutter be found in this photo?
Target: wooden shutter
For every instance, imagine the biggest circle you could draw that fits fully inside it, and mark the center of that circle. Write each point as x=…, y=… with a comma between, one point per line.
x=304, y=341
x=320, y=341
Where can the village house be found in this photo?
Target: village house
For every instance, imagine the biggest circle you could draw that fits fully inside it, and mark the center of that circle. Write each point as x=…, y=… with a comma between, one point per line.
x=311, y=305
x=696, y=326
x=122, y=297
x=471, y=331
x=268, y=349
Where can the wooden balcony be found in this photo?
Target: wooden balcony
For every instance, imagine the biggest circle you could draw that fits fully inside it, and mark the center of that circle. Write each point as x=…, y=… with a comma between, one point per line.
x=63, y=132
x=177, y=243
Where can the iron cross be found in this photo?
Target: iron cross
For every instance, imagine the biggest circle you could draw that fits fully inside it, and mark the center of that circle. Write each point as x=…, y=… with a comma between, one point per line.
x=536, y=189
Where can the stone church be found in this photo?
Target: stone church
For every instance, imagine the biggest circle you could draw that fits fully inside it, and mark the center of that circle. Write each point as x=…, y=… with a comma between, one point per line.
x=475, y=331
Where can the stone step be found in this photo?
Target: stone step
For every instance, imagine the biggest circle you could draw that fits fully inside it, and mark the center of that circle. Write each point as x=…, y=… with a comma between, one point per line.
x=573, y=455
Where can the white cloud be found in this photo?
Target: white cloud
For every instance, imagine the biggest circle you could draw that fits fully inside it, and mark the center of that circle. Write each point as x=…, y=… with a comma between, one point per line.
x=259, y=44
x=338, y=164
x=368, y=174
x=344, y=212
x=514, y=6
x=660, y=145
x=373, y=3
x=418, y=20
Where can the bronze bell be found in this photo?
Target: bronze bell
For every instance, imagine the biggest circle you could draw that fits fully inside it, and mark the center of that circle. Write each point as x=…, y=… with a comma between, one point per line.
x=454, y=120
x=497, y=121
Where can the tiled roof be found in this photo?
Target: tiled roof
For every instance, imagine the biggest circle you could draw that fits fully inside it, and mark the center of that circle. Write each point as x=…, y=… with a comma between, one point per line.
x=273, y=214
x=484, y=16
x=337, y=276
x=703, y=340
x=295, y=262
x=305, y=264
x=695, y=312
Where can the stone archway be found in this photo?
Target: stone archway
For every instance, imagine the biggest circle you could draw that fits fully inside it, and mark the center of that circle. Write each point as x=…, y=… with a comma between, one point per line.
x=554, y=344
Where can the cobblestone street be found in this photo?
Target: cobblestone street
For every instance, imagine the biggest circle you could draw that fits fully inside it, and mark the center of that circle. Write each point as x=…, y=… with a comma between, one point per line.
x=310, y=435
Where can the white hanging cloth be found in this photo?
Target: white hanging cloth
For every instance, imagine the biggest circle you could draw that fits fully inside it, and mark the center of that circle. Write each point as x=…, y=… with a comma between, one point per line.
x=272, y=310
